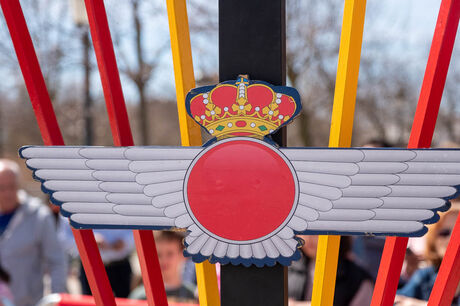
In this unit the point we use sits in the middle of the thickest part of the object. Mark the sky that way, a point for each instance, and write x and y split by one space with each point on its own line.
407 25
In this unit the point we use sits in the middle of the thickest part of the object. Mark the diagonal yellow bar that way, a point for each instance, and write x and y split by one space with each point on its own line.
183 69
343 110
190 131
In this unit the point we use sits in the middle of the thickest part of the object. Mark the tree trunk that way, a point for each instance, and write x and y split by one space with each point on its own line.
304 120
140 79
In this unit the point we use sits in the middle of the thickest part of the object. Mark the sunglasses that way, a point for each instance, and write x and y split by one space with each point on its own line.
444 232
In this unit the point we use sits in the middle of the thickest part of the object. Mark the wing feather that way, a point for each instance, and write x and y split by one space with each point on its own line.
175 210
245 251
314 202
321 191
439 156
114 176
362 179
158 165
102 153
347 214
72 185
57 152
209 247
357 203
326 167
53 163
168 199
381 167
432 168
429 179
121 187
356 191
258 250
412 202
80 196
307 213
403 214
160 177
129 198
270 248
221 249
425 191
88 208
108 164
157 189
74 175
138 210
339 181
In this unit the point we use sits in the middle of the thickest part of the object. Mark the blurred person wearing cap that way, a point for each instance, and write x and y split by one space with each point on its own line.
29 246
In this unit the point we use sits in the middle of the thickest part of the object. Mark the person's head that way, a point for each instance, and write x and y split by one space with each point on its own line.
9 185
439 234
169 248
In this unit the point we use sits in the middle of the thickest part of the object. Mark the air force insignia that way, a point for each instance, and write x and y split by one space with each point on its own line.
241 198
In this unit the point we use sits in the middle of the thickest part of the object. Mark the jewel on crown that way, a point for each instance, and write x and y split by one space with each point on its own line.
243 107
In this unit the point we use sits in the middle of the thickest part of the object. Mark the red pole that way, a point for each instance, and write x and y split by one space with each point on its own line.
449 273
121 133
421 136
51 135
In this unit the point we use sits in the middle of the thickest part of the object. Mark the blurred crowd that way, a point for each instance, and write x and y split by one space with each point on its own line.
38 256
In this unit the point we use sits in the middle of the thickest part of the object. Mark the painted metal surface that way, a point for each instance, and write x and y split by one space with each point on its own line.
241 199
346 86
121 134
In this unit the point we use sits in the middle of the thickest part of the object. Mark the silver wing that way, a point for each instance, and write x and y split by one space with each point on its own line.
100 187
372 191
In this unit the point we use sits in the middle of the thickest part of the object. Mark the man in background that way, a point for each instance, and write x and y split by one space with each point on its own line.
170 254
29 246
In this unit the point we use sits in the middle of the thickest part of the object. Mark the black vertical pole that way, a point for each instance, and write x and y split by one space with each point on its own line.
252 36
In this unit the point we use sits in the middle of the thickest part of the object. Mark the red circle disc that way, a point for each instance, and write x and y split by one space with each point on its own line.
240 190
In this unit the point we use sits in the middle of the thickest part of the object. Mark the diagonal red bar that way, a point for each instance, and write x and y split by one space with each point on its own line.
51 135
449 273
121 133
421 136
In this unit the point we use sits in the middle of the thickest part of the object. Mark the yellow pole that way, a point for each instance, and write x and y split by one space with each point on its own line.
190 131
340 136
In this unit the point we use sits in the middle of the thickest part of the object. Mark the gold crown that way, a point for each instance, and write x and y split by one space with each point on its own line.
242 108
